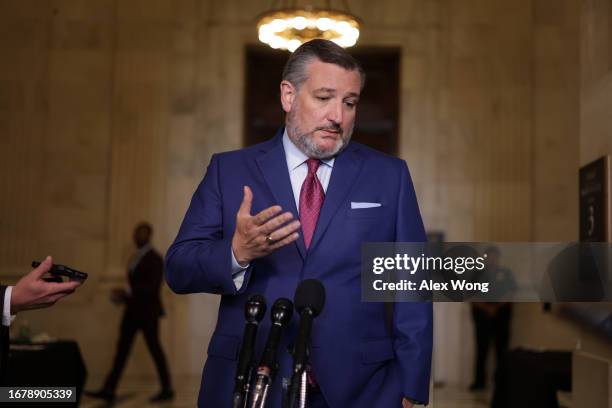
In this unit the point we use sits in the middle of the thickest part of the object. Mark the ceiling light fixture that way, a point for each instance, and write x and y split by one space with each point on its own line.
288 28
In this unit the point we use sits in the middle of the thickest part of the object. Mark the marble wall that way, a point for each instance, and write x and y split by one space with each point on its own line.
596 105
596 80
110 111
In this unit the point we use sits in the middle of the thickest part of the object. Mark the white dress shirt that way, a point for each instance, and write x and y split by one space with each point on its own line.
137 257
298 170
7 318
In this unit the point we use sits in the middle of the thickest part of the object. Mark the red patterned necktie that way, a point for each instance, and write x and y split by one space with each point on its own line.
311 200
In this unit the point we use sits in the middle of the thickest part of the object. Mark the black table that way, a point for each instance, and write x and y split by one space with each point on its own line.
531 379
55 364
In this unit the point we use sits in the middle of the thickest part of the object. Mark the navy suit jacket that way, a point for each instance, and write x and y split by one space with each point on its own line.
358 359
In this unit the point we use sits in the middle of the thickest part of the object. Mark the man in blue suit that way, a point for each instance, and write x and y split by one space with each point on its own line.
243 234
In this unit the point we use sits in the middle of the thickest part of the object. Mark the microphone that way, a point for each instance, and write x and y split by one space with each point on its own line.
254 311
309 302
281 314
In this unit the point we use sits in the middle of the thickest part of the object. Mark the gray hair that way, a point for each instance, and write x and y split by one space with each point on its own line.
323 50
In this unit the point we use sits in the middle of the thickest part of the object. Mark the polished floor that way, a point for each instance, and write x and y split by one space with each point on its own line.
458 397
135 393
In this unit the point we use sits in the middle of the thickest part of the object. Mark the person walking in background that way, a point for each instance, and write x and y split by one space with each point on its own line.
143 309
492 320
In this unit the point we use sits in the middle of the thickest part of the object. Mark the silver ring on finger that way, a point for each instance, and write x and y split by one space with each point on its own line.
269 239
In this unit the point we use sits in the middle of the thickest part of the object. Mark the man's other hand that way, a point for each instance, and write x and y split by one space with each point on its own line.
33 292
407 404
259 235
119 296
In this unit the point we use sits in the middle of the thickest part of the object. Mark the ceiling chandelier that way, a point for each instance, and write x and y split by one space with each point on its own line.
289 27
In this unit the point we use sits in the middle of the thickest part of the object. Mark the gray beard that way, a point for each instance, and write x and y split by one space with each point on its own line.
304 142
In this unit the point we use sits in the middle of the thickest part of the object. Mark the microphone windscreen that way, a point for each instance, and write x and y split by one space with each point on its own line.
310 293
255 308
282 310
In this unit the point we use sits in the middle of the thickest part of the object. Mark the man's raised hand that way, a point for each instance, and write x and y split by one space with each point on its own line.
260 234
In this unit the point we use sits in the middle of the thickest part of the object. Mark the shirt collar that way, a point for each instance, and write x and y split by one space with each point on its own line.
142 251
138 255
295 157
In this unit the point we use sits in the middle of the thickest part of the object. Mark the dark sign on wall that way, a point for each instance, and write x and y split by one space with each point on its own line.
595 202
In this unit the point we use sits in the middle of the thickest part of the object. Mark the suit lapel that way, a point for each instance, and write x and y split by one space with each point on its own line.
273 165
346 169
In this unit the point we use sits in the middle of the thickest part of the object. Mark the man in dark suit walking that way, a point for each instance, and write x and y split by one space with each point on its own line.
143 309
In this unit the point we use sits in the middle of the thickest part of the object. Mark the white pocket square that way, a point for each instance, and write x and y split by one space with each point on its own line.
355 205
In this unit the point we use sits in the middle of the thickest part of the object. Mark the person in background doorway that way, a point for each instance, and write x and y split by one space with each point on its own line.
492 320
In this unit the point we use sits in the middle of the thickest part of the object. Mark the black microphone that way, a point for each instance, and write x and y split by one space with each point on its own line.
281 314
309 302
254 311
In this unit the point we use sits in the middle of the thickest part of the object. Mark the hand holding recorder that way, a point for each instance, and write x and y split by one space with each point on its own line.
34 292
